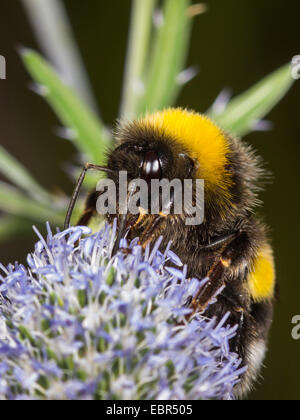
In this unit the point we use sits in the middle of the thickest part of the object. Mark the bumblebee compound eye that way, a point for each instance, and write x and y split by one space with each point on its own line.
151 167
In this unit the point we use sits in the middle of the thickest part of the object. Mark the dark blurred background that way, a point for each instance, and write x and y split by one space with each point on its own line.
235 44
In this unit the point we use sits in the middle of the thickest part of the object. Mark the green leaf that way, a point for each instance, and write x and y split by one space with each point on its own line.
140 34
245 110
53 30
17 174
90 135
15 203
168 58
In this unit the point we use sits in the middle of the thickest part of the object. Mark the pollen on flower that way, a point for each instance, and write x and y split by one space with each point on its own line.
78 324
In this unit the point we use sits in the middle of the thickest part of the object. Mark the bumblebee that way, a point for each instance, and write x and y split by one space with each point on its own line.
231 246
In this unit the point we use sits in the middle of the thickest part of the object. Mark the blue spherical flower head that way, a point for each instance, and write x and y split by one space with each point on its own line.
77 323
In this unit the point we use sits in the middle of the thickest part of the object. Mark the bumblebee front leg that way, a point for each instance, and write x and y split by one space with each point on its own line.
86 168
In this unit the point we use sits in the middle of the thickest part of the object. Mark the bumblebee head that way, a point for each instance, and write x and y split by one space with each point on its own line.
180 144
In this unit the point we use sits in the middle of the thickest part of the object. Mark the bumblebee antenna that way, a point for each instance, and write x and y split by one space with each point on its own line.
77 189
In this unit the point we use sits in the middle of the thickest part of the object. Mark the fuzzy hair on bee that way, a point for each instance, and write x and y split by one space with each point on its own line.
231 247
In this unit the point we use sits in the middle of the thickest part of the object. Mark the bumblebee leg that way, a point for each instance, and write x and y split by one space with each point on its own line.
251 343
90 209
150 231
217 274
77 189
238 310
241 324
219 242
215 282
